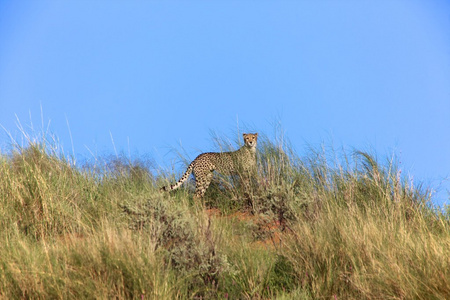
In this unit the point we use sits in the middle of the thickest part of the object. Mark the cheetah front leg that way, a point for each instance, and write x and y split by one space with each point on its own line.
246 183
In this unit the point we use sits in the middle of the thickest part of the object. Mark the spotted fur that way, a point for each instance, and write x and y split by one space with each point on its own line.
242 161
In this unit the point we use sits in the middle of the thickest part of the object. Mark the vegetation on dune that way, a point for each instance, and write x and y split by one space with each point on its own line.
312 227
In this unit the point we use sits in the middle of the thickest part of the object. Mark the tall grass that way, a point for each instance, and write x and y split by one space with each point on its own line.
310 227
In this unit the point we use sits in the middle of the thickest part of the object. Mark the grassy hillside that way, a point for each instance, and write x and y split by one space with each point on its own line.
310 228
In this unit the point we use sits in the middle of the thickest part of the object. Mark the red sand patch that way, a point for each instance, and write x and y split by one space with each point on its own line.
270 232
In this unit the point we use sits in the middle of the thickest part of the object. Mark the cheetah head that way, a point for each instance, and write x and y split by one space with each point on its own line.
250 139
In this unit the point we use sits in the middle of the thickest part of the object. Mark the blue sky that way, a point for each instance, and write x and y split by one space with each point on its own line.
156 76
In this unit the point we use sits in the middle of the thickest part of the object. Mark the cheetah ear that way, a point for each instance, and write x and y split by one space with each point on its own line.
256 134
244 135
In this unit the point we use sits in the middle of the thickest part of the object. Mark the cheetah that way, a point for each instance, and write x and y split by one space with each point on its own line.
241 161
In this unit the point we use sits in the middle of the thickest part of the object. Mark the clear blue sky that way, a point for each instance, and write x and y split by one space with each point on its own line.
154 74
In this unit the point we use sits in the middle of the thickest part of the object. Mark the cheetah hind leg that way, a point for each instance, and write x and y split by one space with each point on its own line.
202 183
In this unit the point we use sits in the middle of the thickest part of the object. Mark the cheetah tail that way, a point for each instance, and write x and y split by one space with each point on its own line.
179 182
